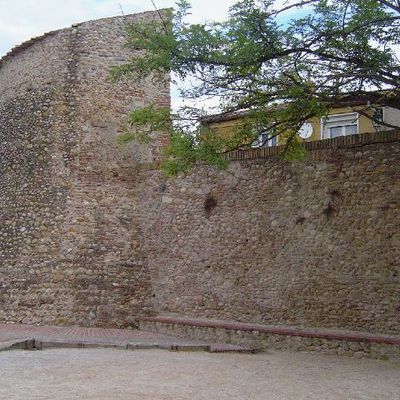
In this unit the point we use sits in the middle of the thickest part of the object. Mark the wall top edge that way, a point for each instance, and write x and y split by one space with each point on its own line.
23 46
341 142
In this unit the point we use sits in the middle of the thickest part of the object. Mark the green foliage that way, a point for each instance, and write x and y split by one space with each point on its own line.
151 117
184 151
130 136
143 122
294 151
277 65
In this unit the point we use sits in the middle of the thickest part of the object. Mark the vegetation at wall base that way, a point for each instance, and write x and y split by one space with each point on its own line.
278 66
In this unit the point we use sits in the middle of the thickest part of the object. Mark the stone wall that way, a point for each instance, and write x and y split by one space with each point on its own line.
70 244
89 236
312 244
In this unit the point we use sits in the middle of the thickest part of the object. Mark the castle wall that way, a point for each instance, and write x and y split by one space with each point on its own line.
90 235
70 250
313 244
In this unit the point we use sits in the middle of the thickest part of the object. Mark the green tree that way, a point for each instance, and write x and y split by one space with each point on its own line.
306 56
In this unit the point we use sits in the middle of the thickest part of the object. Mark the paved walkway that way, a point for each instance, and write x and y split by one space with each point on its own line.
31 336
109 374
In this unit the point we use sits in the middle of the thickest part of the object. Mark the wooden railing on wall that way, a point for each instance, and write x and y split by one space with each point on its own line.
335 143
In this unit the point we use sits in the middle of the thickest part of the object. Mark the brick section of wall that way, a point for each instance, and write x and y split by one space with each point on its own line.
331 144
312 244
70 241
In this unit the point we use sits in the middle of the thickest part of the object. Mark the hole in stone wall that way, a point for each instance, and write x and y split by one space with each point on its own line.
335 193
209 204
300 221
329 211
162 188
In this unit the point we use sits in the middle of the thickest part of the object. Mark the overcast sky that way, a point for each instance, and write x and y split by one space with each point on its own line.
21 20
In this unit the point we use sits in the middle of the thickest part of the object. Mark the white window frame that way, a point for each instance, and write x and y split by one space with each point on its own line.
343 116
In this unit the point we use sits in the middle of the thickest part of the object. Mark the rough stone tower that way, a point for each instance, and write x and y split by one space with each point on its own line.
69 239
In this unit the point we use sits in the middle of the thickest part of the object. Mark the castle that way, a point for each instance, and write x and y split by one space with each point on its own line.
94 235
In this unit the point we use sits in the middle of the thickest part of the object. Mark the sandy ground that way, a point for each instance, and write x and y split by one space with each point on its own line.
155 374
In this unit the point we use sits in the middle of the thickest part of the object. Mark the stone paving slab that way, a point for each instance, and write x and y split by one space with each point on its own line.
14 336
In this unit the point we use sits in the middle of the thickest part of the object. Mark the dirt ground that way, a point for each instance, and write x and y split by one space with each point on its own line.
106 374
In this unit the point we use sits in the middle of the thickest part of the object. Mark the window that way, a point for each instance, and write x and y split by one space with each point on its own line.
263 141
339 125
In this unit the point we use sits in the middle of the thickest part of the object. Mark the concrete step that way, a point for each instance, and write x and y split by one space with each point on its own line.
34 344
256 337
32 337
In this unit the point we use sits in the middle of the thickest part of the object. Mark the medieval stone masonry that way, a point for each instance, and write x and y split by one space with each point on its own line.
313 244
92 234
70 247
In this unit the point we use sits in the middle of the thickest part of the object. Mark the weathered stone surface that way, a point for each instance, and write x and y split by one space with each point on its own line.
70 242
310 244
